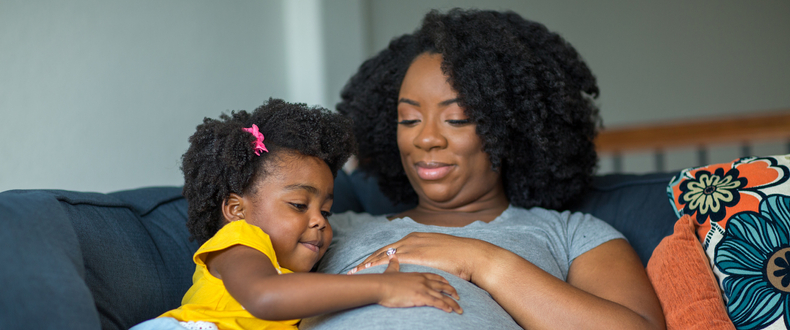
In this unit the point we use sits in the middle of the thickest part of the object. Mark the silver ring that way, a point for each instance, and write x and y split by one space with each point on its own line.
391 251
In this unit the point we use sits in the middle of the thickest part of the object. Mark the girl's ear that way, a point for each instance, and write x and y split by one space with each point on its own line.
233 208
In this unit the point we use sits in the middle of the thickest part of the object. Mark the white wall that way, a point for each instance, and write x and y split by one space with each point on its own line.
102 95
346 38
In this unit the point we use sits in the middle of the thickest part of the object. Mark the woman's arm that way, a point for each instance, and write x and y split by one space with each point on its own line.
606 288
252 280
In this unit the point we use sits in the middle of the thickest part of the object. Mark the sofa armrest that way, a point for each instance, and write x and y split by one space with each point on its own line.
43 268
78 260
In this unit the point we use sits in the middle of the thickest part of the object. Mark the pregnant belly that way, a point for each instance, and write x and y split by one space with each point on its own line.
480 311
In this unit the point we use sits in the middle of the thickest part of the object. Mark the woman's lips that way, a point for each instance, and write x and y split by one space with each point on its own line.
432 171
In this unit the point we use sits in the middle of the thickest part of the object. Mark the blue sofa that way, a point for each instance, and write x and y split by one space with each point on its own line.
78 260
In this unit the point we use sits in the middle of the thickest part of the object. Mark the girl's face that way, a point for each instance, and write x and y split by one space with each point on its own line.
291 204
441 153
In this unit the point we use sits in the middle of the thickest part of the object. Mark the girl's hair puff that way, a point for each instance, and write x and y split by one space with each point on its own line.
528 91
221 159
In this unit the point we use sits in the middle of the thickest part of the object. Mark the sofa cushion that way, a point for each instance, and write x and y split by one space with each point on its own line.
345 197
128 250
139 240
714 193
753 264
684 283
359 192
742 210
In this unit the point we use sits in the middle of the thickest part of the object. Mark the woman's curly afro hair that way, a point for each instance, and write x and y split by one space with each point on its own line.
221 159
528 91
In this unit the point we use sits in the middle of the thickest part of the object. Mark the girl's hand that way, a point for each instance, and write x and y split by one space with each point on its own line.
462 257
416 289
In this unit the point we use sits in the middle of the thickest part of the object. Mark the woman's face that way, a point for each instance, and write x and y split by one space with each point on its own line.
440 150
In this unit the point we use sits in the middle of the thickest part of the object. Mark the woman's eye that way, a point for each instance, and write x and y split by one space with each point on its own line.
300 207
326 214
459 122
407 122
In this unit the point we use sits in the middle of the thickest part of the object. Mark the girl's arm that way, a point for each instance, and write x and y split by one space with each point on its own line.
606 288
252 280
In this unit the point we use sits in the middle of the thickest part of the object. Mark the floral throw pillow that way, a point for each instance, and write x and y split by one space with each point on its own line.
743 212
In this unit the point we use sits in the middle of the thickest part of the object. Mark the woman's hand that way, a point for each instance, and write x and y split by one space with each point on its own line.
459 256
416 289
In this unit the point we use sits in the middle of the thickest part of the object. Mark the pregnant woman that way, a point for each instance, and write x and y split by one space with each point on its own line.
486 121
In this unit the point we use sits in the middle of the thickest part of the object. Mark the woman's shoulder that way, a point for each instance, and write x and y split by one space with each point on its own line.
545 216
579 231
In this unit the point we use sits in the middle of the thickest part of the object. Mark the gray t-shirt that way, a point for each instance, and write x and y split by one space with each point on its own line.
550 240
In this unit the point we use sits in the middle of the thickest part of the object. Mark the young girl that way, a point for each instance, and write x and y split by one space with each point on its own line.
259 187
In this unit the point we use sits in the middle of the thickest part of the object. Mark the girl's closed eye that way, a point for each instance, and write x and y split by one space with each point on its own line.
299 206
326 214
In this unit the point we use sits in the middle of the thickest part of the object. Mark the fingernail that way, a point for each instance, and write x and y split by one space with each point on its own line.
367 265
352 271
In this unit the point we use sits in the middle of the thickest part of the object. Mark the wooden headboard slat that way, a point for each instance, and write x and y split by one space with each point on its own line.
774 125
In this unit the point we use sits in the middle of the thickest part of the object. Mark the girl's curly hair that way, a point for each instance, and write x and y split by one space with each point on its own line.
526 88
221 159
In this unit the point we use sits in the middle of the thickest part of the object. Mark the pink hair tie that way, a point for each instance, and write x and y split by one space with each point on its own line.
258 143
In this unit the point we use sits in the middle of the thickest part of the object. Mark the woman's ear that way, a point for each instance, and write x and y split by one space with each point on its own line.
233 208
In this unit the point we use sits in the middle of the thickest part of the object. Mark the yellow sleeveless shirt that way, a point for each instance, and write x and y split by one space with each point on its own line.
208 300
